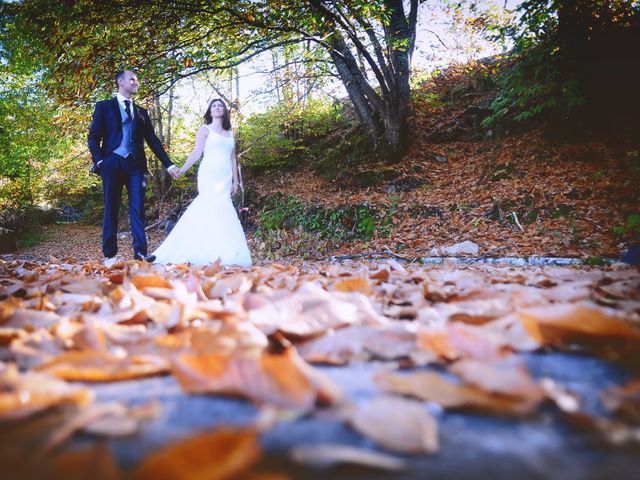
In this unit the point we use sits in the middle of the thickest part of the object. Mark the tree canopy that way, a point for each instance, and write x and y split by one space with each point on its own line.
368 45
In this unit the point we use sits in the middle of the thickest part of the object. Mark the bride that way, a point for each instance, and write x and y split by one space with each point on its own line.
209 229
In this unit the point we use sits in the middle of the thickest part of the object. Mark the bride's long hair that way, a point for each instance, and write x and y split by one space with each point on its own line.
226 117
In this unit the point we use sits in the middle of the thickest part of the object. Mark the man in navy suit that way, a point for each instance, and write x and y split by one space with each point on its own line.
116 139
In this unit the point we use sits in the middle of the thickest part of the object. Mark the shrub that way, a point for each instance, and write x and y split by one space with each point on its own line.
284 136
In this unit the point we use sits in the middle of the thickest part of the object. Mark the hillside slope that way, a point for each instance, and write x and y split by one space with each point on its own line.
513 194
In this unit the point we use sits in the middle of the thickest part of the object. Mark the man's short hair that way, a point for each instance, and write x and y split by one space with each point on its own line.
119 75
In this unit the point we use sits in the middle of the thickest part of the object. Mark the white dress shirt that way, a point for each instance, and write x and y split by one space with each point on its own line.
121 100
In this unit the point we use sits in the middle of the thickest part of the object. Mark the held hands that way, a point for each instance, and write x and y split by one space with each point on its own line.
174 171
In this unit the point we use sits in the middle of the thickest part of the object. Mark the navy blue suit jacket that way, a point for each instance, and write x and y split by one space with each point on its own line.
105 134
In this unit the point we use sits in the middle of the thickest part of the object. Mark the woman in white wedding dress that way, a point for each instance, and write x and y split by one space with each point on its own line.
210 229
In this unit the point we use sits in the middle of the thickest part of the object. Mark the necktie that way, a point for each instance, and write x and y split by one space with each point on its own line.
127 105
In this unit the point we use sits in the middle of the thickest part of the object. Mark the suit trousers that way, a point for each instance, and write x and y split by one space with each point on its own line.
118 172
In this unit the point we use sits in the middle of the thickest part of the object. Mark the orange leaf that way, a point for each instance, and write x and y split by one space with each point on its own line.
142 281
98 366
356 284
217 455
279 379
499 377
586 325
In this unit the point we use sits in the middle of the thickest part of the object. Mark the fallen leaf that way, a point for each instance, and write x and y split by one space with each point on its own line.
624 400
434 387
95 462
586 325
221 454
143 281
356 284
326 455
81 420
561 396
22 395
507 377
100 366
398 424
278 379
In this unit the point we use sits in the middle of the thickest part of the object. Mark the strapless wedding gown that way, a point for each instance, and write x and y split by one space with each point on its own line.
209 228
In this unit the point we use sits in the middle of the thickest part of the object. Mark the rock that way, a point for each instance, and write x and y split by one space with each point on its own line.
404 185
464 248
437 157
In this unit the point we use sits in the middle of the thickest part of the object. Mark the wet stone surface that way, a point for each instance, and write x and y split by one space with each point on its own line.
472 445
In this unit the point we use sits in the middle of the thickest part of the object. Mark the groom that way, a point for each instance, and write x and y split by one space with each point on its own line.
116 142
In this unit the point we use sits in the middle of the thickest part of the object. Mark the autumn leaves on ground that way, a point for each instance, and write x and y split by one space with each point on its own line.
442 340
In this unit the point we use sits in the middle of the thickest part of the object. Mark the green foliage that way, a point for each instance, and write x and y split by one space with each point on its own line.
533 85
287 136
80 44
546 74
355 222
630 227
30 238
39 161
595 261
425 99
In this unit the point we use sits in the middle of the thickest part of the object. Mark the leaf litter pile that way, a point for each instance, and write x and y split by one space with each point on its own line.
442 339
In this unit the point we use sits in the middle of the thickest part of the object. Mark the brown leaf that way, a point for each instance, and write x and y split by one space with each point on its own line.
308 312
586 325
143 281
437 341
94 462
359 343
81 420
474 342
624 400
277 379
221 454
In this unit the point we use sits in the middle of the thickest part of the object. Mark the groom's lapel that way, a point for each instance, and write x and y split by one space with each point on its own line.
116 110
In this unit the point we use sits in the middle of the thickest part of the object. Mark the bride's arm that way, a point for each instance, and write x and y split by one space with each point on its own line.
234 168
196 153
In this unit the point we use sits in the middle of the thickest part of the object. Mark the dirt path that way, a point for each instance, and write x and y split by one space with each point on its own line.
81 243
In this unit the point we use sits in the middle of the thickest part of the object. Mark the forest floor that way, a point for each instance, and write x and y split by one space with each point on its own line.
519 196
321 370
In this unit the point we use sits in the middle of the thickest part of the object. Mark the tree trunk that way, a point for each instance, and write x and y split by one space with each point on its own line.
382 111
162 180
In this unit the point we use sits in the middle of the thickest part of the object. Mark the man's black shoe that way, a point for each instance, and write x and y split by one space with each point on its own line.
144 258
